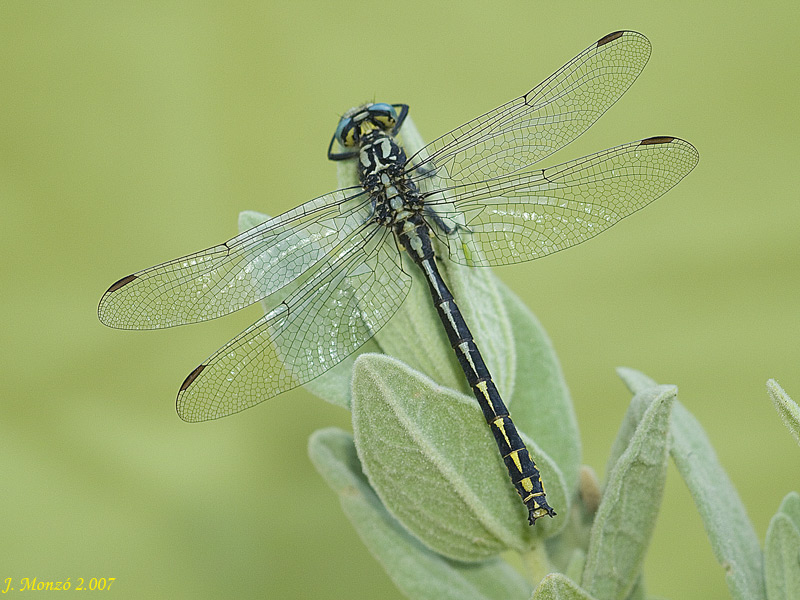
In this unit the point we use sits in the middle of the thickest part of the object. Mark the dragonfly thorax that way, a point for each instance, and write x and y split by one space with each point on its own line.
379 152
381 170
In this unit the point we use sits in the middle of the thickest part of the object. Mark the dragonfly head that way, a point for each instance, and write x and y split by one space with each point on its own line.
358 122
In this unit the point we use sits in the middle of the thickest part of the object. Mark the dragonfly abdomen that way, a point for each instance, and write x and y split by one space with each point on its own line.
415 237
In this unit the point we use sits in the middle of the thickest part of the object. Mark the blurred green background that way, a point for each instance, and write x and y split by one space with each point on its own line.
133 133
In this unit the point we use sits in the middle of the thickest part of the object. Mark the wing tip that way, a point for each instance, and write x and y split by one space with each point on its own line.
658 139
121 283
615 35
180 405
188 416
103 312
610 38
191 377
668 139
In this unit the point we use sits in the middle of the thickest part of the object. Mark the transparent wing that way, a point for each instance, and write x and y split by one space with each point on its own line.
547 118
329 317
243 270
525 216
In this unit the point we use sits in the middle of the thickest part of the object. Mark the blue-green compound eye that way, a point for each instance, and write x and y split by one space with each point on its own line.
346 132
383 114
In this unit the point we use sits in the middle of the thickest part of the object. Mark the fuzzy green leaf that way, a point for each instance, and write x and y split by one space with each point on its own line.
731 534
733 539
786 407
638 592
418 572
627 514
433 461
790 506
559 587
645 391
576 564
566 551
782 559
782 551
634 380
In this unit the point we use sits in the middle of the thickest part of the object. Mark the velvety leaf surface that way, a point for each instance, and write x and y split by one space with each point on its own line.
433 461
786 407
732 536
559 587
782 558
626 517
418 572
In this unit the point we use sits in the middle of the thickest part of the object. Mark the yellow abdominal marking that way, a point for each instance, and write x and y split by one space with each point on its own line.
498 422
515 457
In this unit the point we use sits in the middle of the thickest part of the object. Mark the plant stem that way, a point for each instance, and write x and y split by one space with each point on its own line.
536 564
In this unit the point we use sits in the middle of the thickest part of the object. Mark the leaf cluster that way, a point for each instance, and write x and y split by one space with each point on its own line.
423 485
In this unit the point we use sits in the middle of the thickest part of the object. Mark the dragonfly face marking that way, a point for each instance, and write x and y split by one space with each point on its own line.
329 270
358 122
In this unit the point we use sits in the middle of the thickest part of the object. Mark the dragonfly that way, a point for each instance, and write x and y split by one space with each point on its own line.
330 271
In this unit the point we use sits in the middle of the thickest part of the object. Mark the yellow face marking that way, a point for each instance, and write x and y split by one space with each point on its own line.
350 138
386 121
366 126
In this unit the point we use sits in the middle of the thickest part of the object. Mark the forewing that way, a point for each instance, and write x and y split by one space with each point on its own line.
526 216
547 118
327 319
243 270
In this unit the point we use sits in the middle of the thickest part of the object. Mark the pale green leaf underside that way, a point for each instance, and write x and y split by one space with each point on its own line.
626 517
634 380
790 506
645 392
559 587
733 539
786 407
782 557
417 571
432 460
